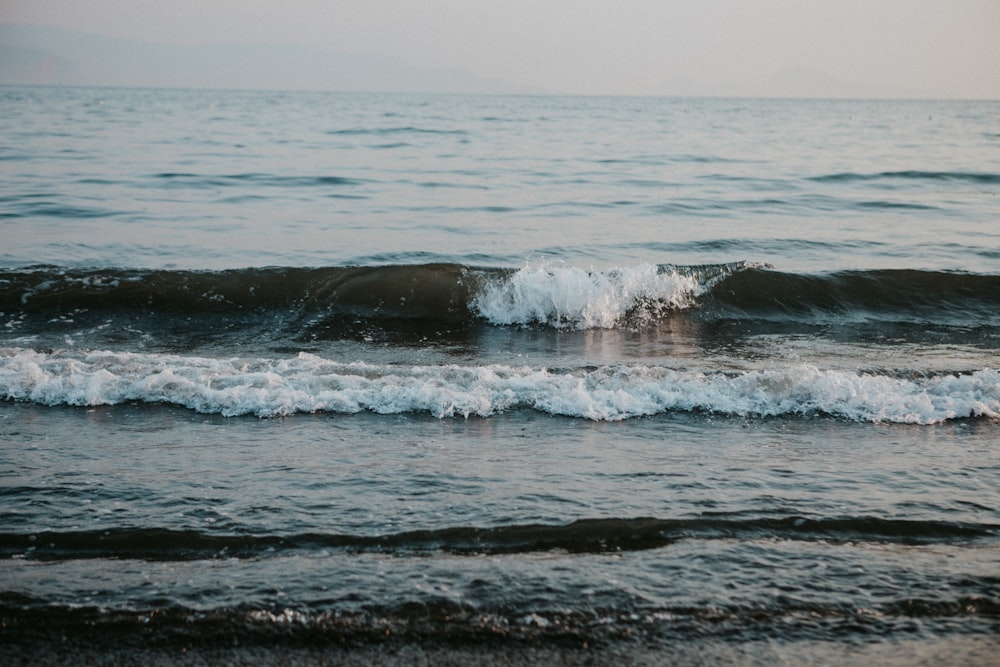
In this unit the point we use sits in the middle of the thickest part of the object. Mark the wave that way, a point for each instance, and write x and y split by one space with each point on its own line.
31 207
912 175
431 290
42 632
405 129
199 612
182 179
896 295
309 384
580 299
580 536
556 296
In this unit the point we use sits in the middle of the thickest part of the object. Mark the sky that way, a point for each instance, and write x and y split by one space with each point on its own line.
869 48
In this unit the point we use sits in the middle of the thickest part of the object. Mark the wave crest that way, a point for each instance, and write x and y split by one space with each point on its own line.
548 295
308 384
574 298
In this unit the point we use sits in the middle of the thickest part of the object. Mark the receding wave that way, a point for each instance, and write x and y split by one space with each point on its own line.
308 383
581 536
476 633
557 296
507 612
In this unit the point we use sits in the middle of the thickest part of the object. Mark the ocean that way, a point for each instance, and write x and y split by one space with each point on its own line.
318 378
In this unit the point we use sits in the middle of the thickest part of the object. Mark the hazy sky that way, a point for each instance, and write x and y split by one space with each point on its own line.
939 48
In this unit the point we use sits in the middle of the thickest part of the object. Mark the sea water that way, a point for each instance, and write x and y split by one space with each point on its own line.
488 371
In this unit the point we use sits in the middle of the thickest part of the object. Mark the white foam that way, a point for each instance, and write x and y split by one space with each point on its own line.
570 297
309 383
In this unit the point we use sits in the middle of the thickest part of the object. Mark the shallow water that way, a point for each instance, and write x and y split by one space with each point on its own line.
673 526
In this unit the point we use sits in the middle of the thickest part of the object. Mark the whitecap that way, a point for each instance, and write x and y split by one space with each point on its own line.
308 383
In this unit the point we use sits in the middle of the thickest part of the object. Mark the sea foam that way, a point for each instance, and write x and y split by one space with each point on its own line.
309 383
574 298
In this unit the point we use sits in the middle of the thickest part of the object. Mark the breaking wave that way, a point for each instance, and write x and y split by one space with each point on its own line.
557 296
308 384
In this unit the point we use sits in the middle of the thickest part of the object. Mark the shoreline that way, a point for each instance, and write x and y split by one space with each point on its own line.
969 651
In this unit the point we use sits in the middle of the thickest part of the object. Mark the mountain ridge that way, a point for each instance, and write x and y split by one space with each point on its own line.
42 55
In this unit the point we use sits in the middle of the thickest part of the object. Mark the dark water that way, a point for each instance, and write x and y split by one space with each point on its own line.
553 371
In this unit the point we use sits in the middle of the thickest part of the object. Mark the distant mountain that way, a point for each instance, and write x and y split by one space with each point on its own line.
43 55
